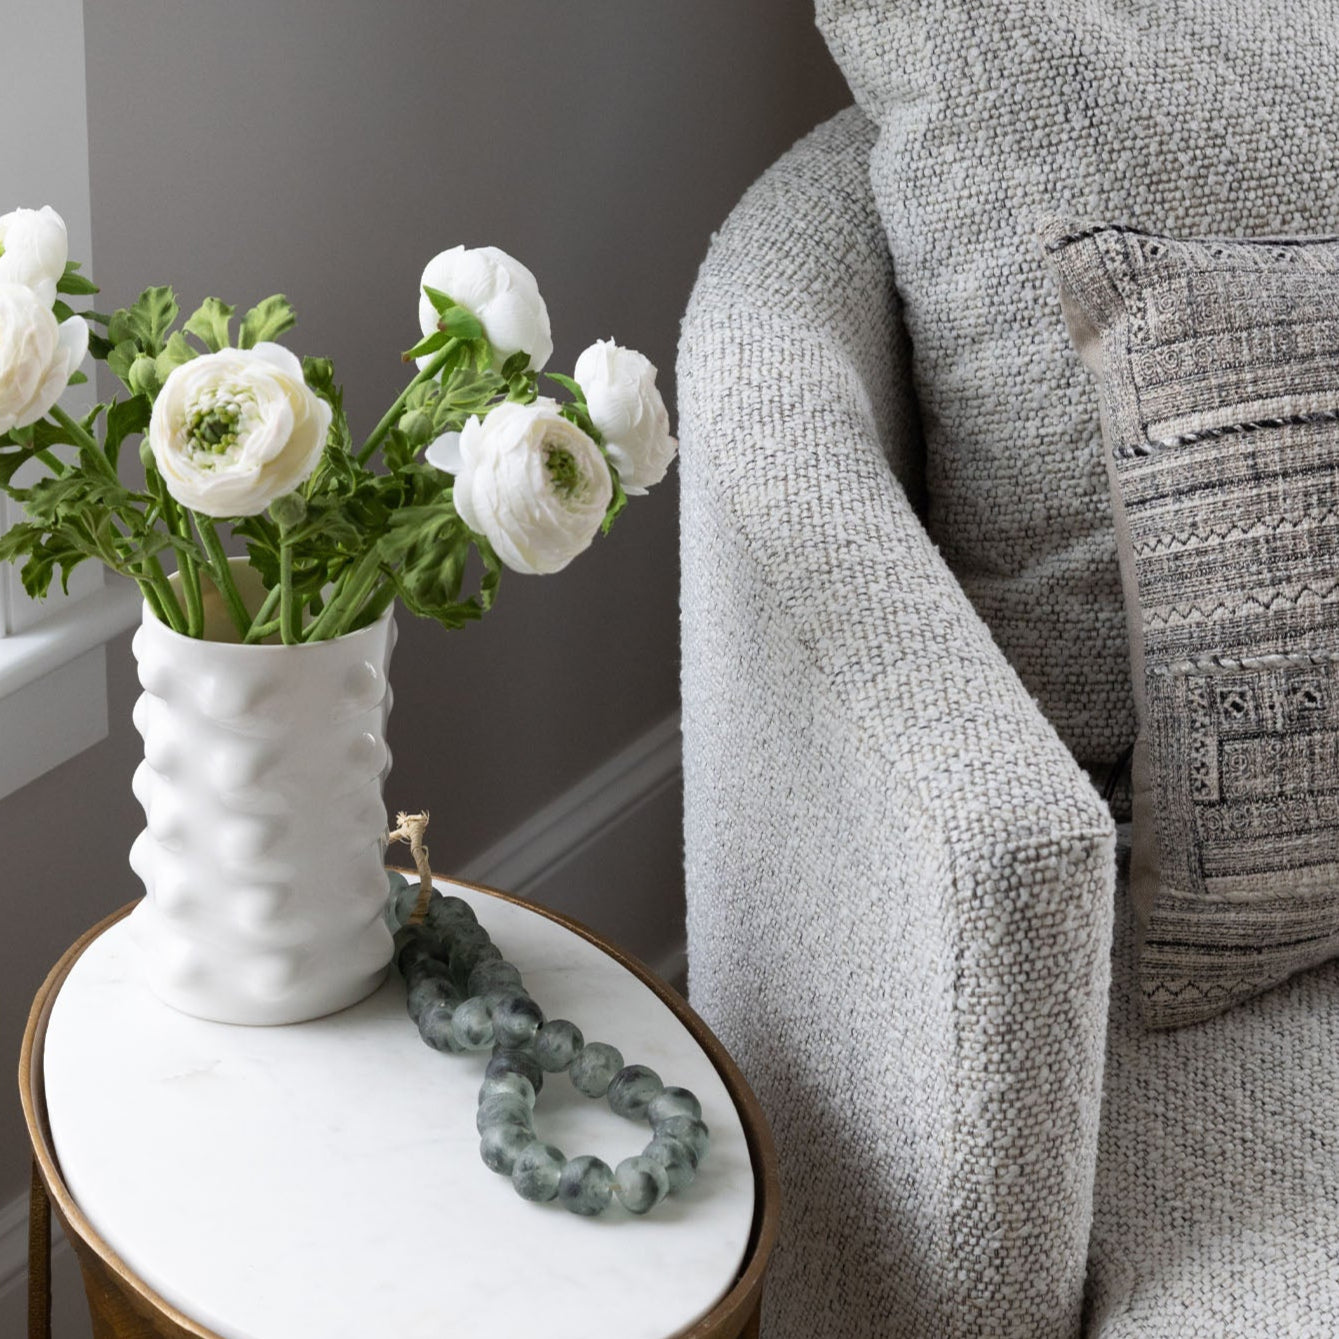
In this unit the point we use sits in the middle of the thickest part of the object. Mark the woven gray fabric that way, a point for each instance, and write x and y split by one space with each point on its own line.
1217 1199
1200 118
899 880
1218 368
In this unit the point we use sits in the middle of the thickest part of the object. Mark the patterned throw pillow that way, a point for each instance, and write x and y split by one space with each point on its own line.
1218 371
1198 117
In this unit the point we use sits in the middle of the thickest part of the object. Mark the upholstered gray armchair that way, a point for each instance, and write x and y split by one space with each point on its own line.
901 883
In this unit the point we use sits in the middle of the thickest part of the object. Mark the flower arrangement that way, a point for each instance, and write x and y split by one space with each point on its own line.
469 459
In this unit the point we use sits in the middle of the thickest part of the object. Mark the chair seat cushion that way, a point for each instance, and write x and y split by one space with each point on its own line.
1216 1203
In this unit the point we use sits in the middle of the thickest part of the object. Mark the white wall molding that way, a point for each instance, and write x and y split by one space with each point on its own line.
519 862
53 683
530 853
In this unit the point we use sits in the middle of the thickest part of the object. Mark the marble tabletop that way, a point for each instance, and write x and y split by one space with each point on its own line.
323 1181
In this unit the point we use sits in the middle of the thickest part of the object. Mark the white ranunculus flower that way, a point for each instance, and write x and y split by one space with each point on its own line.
36 247
37 356
620 389
444 452
534 484
231 431
500 291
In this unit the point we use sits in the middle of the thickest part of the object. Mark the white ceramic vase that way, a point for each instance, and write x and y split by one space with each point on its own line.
263 853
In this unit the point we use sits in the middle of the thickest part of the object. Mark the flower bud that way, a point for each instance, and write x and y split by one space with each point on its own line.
143 376
417 426
289 511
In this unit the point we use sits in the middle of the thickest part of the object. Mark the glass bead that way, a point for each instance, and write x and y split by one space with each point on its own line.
428 990
514 1061
515 1085
500 1146
434 1026
557 1044
687 1131
506 1109
673 1102
412 944
586 1186
457 906
472 1026
594 1068
444 916
516 1019
537 1172
640 1183
493 974
631 1090
465 955
676 1158
424 968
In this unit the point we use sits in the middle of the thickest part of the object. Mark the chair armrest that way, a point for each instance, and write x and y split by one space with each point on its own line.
900 882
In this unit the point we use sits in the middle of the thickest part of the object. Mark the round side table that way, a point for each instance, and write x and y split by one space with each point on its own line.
322 1181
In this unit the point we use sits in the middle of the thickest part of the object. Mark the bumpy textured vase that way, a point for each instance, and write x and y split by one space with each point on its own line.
261 784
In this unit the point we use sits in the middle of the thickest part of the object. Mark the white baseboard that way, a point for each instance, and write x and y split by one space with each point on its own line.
520 862
537 848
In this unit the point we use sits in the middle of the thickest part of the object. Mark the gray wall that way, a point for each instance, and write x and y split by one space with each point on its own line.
327 148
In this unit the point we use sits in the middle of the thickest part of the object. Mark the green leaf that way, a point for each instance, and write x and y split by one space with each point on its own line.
430 343
99 347
121 358
266 321
209 323
147 322
516 365
441 303
617 502
124 419
460 324
397 450
74 283
319 374
568 384
580 415
77 379
62 311
176 353
13 460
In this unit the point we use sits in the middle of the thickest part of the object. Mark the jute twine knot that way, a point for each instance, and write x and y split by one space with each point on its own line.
410 828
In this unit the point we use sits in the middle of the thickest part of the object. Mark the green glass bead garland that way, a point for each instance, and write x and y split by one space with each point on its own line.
465 997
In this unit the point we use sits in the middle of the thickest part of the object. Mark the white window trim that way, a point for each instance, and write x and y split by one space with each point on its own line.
77 627
53 681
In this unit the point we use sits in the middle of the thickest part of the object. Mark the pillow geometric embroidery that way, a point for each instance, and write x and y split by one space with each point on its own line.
1218 369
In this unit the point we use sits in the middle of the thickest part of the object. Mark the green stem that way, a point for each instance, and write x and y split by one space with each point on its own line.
186 564
393 413
53 463
259 631
170 607
262 625
288 620
348 599
376 604
146 589
85 441
222 573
